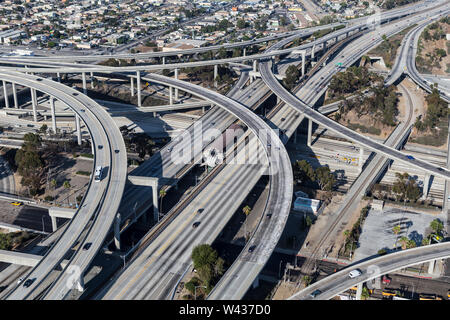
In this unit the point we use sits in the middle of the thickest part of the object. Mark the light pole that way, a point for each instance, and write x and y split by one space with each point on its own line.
195 291
42 218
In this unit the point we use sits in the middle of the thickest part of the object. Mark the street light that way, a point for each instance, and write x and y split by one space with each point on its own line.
195 291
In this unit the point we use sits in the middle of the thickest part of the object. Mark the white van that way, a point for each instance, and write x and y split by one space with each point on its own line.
355 273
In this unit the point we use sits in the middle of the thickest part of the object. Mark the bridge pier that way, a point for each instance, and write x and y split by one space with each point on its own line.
92 80
176 89
309 132
132 86
80 284
58 75
77 124
52 110
34 104
16 104
244 53
117 231
359 291
170 96
361 155
255 283
427 185
54 223
138 87
152 182
431 267
5 94
255 65
83 76
313 51
216 72
164 60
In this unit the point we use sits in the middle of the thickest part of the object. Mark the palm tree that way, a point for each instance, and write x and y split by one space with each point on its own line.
396 230
66 184
246 210
162 194
346 233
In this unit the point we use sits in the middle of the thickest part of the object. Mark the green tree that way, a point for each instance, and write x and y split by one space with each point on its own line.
325 178
303 171
246 210
240 24
66 184
396 229
437 226
291 77
207 263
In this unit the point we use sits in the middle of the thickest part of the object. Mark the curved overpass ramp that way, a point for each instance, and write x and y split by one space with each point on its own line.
371 269
102 199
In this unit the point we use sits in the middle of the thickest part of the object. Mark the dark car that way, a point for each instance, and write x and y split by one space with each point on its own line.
410 157
100 147
116 151
269 215
87 246
29 282
195 224
252 248
315 293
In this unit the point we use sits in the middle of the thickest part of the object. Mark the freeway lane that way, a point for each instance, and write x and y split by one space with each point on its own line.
279 197
92 206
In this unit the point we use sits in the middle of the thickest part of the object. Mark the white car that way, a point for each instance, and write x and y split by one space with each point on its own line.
355 273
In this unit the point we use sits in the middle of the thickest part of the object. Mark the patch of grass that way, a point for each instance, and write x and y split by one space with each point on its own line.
87 155
364 129
84 173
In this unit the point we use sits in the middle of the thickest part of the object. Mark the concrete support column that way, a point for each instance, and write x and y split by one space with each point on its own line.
34 104
5 94
295 136
138 87
255 283
92 80
176 89
155 202
309 132
216 72
83 76
170 96
52 110
58 75
245 51
117 232
359 291
313 51
164 60
132 86
77 123
255 65
16 103
431 267
54 224
427 185
360 161
303 62
80 283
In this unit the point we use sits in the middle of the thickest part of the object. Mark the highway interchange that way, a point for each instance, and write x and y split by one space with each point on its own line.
163 252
